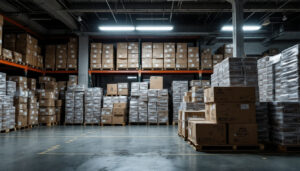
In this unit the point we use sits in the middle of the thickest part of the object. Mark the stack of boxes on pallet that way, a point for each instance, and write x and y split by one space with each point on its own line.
169 57
61 57
193 58
96 56
7 109
181 56
150 52
217 58
178 90
158 102
138 102
20 100
50 57
92 101
33 105
229 117
206 59
133 55
226 50
72 53
114 109
122 57
108 56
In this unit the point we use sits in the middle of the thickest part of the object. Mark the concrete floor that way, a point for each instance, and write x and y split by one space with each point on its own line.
122 148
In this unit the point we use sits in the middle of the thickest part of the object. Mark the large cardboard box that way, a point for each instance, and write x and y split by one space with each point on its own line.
119 120
229 95
230 112
21 120
182 48
158 50
123 91
156 82
47 119
242 134
106 119
146 63
47 102
120 105
193 63
122 50
158 63
206 133
119 111
112 89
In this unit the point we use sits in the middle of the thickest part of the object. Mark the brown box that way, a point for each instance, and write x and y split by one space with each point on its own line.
242 134
112 89
158 50
156 82
21 120
133 47
58 103
169 65
206 133
46 95
95 66
106 119
47 103
7 54
206 64
119 120
20 100
229 95
218 57
182 48
230 112
123 91
157 63
119 111
47 111
120 105
181 63
181 55
96 45
146 63
121 63
31 83
193 63
47 119
17 57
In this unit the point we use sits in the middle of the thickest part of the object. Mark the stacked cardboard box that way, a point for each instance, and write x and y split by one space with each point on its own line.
109 114
138 102
193 58
7 92
39 62
262 119
181 56
18 57
72 53
1 32
61 57
226 50
69 106
133 55
119 113
79 106
163 106
206 59
7 54
112 89
28 47
184 117
108 56
20 100
32 105
122 56
95 56
9 41
226 125
50 57
92 101
169 56
217 58
58 110
149 52
123 89
178 90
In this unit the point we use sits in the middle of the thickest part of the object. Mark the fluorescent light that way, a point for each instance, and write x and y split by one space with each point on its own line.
152 19
154 28
245 28
116 28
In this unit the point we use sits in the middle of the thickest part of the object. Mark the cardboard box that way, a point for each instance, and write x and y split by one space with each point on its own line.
242 134
206 133
120 105
156 82
47 119
230 112
158 50
206 64
58 103
112 89
146 63
119 120
96 45
95 66
123 91
182 48
229 95
47 102
7 54
21 121
47 95
181 55
157 63
106 119
193 63
17 57
119 111
46 111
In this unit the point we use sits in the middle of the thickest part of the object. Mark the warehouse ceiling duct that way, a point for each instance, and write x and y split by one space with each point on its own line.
55 9
23 18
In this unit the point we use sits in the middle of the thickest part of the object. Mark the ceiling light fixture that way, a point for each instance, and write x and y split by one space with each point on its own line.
266 22
154 28
245 28
117 28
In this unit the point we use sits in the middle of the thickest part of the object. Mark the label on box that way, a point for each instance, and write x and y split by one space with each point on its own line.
244 106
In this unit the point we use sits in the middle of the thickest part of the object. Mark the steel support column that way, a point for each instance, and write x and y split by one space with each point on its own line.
83 61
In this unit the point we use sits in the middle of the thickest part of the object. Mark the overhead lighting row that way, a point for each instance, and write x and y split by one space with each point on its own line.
138 28
245 28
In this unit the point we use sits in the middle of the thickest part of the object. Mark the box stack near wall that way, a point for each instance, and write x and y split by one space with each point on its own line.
206 59
169 57
226 50
217 58
28 47
47 96
158 103
32 105
92 100
108 56
122 57
262 119
61 57
193 58
95 56
123 89
7 108
138 103
178 90
70 99
133 55
50 57
181 56
72 53
20 100
114 110
150 52
120 111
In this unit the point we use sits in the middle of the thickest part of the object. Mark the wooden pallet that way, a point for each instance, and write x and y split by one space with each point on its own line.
163 123
181 68
112 95
33 126
48 124
134 69
288 148
9 59
169 69
8 130
193 68
127 69
175 123
20 62
91 124
206 68
227 148
21 127
107 69
72 124
158 124
105 124
137 123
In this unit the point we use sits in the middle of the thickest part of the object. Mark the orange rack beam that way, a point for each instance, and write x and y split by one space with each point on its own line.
61 72
26 68
150 71
113 72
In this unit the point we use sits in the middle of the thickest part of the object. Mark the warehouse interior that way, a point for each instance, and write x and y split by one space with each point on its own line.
149 84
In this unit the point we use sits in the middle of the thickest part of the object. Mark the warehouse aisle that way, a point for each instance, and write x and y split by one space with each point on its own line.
121 148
